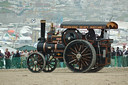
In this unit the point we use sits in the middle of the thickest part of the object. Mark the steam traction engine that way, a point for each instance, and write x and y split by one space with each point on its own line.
80 52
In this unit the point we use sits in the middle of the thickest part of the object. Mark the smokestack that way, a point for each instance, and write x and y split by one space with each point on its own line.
43 30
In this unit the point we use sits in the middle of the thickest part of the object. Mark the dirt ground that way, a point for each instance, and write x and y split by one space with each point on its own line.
107 76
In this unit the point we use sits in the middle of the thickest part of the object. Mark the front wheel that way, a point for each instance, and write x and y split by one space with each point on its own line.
36 62
51 63
79 56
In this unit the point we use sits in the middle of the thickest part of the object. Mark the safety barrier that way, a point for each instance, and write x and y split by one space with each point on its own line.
21 62
1 63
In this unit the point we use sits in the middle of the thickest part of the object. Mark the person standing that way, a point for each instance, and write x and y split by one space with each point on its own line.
30 52
7 59
113 58
18 60
26 54
126 53
1 60
91 34
124 59
24 59
22 53
119 54
13 60
103 34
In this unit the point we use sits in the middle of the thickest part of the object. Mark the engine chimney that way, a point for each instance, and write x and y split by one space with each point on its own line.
42 30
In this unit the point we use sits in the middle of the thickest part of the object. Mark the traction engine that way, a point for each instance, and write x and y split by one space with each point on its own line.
80 52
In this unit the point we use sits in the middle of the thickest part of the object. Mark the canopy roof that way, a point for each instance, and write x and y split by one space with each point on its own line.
26 47
89 25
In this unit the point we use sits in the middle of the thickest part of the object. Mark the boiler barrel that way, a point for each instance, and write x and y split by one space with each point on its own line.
48 48
52 47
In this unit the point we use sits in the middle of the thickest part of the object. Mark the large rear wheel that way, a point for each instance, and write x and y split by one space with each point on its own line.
79 56
96 68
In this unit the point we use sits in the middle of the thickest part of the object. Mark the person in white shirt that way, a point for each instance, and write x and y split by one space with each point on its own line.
26 54
126 53
24 58
124 58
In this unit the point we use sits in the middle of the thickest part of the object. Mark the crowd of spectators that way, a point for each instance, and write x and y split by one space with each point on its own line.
16 59
119 57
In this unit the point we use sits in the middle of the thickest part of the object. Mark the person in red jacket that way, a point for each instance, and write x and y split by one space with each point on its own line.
7 59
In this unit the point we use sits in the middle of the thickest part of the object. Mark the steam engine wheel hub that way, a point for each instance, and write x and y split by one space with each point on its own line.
35 62
78 56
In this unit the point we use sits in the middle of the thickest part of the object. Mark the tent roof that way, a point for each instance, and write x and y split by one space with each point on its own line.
26 47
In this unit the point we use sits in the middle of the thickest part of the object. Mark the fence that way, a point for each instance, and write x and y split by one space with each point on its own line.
21 62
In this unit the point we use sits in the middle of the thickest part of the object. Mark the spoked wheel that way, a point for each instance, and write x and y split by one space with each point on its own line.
70 34
51 63
96 68
79 56
36 62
